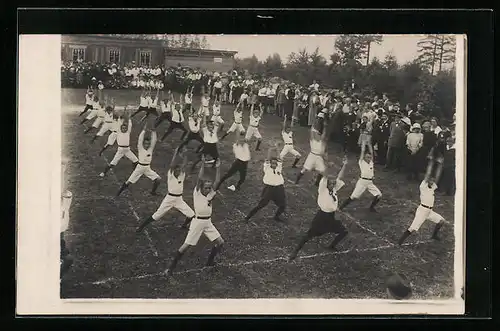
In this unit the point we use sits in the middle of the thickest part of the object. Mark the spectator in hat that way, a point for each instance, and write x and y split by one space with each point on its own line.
414 141
396 143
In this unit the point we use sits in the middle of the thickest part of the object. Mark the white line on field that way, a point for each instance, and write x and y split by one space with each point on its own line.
239 264
132 209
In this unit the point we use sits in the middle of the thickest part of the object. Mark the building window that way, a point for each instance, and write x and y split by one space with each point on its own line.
114 55
145 58
78 54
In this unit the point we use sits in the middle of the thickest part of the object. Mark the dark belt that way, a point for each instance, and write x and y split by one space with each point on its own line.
175 195
290 144
366 178
237 122
109 122
255 126
123 146
144 164
426 206
203 217
317 154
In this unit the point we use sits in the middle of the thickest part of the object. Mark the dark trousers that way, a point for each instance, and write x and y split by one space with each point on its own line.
381 151
164 116
64 248
192 136
412 162
270 193
172 127
237 166
394 157
447 181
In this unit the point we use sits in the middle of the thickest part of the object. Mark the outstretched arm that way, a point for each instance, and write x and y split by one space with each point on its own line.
140 140
342 170
326 125
217 174
284 123
200 174
174 157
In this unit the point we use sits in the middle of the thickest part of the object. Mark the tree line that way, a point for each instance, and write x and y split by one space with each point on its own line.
429 78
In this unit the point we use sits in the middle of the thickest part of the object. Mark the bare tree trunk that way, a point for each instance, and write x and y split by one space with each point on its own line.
368 53
441 51
434 55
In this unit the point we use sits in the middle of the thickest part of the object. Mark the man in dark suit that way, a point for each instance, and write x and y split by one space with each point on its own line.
381 132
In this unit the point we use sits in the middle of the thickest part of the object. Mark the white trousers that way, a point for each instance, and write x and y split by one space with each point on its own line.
121 152
170 202
199 227
424 214
363 185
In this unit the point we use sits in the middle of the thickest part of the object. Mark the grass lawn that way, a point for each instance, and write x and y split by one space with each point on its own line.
111 261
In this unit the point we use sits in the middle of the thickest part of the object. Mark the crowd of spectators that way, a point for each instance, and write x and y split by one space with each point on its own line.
401 137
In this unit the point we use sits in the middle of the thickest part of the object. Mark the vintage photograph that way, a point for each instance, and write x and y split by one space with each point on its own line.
259 167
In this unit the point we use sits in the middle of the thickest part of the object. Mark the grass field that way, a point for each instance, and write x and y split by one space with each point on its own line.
112 261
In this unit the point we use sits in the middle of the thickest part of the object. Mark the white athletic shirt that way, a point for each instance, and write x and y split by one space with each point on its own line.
175 184
149 100
165 108
242 152
254 121
270 92
145 155
427 194
115 126
215 110
202 204
67 198
144 102
187 99
177 115
366 169
153 103
317 147
89 100
272 176
238 117
123 138
218 84
108 117
194 125
243 96
205 101
328 201
287 137
210 137
262 92
101 111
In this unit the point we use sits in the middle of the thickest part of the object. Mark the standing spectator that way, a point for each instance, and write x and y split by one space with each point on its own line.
395 144
381 136
280 101
290 97
429 140
435 126
313 107
414 141
447 182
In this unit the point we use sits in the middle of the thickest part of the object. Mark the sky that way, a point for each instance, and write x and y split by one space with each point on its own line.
403 47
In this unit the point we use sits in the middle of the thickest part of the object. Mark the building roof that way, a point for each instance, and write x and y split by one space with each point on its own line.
88 38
